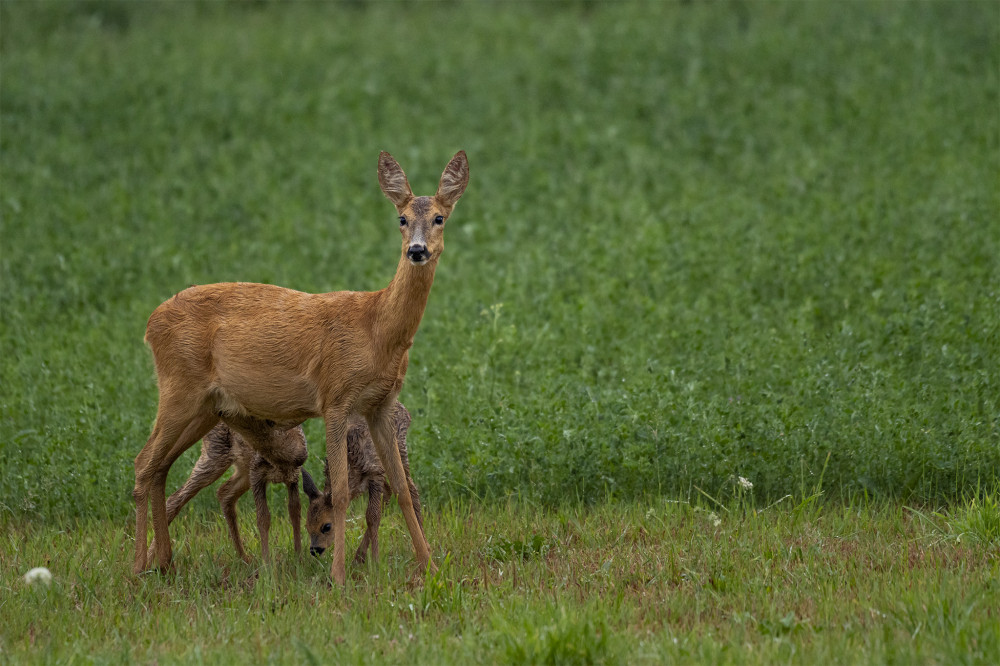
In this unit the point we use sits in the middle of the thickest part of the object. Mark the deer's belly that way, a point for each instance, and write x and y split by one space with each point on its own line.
287 402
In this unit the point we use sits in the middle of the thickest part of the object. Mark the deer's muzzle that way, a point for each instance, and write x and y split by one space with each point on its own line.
417 253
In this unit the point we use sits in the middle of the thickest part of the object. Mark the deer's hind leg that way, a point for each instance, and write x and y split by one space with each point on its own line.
207 470
178 425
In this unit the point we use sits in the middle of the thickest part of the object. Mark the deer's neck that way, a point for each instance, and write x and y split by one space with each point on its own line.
402 304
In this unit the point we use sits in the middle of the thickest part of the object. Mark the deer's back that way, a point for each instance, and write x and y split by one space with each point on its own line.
264 350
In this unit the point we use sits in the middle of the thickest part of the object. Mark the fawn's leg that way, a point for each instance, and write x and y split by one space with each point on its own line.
295 515
382 427
228 493
336 458
258 484
373 516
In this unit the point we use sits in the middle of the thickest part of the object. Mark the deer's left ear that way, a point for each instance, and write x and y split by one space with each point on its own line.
453 180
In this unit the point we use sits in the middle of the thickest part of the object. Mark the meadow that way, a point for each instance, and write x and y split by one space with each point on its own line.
701 241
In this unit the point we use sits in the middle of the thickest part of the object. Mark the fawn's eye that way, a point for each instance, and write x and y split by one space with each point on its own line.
439 219
402 220
326 528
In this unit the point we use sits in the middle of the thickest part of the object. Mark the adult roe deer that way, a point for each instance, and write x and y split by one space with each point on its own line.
251 353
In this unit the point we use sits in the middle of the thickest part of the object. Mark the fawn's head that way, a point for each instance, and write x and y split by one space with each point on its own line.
319 515
421 219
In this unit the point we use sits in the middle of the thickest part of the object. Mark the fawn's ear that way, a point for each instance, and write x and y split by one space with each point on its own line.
454 179
392 180
326 477
309 486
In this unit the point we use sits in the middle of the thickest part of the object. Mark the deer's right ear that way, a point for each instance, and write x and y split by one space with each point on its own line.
393 181
309 486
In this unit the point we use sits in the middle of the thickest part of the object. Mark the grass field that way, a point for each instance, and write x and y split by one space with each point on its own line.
655 583
702 240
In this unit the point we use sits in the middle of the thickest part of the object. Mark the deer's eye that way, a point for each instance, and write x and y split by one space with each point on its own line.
326 528
402 220
439 219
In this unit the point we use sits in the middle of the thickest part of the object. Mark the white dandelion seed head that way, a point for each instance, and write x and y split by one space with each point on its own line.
38 575
745 483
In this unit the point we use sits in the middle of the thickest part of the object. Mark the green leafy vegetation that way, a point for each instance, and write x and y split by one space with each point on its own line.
654 582
699 241
702 242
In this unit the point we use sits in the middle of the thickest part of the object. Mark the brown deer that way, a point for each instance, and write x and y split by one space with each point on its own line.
256 353
223 448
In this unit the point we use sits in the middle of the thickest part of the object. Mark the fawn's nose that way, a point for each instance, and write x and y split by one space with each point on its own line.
316 551
417 253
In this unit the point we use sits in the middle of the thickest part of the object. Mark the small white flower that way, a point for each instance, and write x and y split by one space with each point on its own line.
38 575
716 521
745 483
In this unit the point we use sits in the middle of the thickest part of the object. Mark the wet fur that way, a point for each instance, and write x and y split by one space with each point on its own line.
365 475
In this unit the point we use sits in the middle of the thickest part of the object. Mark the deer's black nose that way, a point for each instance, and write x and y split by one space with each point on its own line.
316 551
418 253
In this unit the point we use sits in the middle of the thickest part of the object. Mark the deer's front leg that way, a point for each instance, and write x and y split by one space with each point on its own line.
336 459
383 430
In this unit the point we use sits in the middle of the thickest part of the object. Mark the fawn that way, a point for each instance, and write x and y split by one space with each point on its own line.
257 353
364 474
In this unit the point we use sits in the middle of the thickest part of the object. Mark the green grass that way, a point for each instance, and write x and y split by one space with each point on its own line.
701 241
654 582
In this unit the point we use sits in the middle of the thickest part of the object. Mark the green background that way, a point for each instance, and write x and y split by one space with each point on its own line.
700 240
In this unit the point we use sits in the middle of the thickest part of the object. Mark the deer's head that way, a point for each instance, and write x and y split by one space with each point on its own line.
421 219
